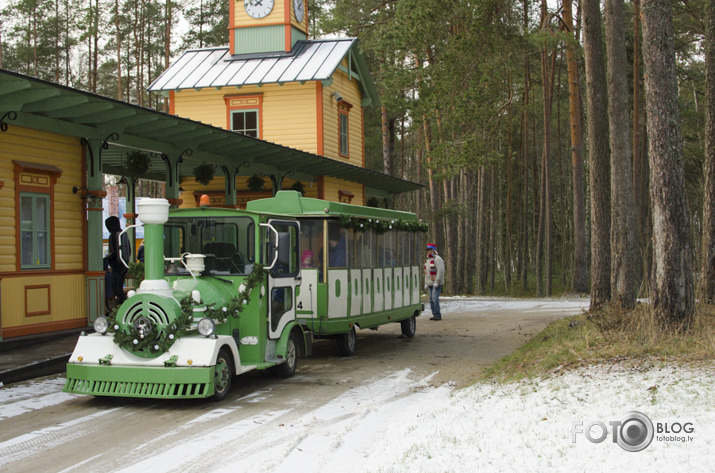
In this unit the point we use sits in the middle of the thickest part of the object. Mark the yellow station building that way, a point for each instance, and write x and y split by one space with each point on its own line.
273 105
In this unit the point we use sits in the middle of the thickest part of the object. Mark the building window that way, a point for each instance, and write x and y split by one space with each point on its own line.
245 122
34 230
244 114
343 134
34 219
344 128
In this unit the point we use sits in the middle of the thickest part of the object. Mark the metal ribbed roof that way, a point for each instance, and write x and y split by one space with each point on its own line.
215 67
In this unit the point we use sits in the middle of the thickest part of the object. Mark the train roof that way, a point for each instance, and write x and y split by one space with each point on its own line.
294 204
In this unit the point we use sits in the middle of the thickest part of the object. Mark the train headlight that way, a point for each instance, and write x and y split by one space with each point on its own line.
206 327
101 324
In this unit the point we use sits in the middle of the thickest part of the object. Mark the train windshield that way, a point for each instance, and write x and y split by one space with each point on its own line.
228 244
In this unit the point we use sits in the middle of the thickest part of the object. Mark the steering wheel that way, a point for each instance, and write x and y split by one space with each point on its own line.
237 262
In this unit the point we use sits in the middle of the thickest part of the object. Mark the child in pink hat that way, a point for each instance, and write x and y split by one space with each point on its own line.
306 260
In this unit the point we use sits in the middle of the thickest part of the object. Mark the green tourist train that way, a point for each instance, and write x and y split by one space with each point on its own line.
227 291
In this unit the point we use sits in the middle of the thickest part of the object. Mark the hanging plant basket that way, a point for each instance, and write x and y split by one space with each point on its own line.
298 186
255 183
138 164
204 173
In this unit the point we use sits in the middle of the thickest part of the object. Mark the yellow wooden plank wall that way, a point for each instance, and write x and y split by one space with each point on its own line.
64 152
190 186
289 111
66 299
350 90
241 18
332 187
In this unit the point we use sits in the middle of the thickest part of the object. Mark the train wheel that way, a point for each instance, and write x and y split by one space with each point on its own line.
223 374
287 369
409 327
347 342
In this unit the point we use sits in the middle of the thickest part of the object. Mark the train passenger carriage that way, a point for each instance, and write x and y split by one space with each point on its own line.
228 291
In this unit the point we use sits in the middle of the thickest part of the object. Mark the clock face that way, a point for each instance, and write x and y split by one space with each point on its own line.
299 10
258 8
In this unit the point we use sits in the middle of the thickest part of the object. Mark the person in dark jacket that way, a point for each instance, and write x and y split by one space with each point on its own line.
116 247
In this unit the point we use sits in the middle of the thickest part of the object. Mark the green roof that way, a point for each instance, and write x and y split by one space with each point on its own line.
123 127
292 203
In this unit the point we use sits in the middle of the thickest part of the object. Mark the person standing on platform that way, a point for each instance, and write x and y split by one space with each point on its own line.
434 279
118 265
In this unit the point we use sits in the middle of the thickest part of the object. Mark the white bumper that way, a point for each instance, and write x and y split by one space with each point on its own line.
191 351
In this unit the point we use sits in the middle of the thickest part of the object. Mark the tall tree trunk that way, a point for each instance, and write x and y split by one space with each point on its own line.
433 188
493 222
507 236
636 104
708 257
57 40
579 282
543 248
167 44
95 49
672 279
599 164
623 256
117 25
386 163
461 268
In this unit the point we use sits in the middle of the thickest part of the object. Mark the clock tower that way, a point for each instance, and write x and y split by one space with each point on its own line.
266 26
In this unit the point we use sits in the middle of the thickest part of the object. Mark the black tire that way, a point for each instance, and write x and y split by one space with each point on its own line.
409 327
287 369
223 375
347 343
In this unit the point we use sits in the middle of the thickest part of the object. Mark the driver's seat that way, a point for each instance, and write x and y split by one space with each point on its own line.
220 252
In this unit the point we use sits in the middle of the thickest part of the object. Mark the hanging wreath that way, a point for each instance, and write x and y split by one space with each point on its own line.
298 186
204 173
160 342
138 164
255 183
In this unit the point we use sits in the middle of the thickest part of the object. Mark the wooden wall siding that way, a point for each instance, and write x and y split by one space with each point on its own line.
276 16
64 152
332 187
38 300
289 116
350 90
217 185
57 298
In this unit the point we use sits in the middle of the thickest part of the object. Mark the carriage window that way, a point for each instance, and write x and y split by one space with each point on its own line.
337 245
368 249
388 242
311 244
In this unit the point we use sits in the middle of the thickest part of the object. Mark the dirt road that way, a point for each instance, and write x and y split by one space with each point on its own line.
264 419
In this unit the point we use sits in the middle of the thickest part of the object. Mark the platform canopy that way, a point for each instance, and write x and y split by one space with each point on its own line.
123 128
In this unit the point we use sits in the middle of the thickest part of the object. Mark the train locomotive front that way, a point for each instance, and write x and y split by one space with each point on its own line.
178 335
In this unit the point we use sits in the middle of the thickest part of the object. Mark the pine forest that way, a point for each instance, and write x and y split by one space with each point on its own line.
564 147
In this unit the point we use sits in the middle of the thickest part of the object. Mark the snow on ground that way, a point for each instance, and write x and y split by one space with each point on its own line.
459 304
401 423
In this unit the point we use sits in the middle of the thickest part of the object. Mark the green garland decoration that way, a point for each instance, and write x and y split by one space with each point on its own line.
255 183
161 342
382 226
138 164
